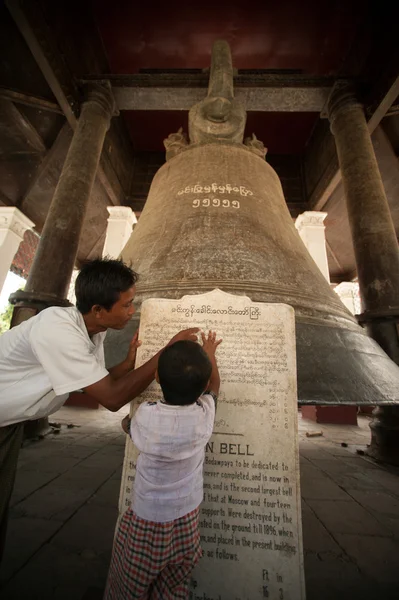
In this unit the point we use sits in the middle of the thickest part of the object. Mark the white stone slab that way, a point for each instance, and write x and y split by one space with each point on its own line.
250 518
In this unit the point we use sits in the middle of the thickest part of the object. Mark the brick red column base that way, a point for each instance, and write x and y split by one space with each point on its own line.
336 415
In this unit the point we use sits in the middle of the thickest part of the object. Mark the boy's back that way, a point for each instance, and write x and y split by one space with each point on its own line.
171 440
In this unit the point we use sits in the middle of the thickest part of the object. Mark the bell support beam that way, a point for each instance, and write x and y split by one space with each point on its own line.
263 93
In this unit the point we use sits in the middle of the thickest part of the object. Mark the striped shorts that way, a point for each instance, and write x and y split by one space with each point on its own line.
153 561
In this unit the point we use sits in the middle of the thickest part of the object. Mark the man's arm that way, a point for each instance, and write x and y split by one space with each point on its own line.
113 394
126 365
210 345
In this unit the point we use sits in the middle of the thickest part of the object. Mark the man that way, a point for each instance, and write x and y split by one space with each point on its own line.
61 350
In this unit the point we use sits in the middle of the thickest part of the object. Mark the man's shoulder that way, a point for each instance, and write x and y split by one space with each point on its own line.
56 324
60 314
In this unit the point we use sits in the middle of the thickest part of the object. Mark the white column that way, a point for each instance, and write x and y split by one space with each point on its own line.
348 291
310 226
71 292
120 226
13 225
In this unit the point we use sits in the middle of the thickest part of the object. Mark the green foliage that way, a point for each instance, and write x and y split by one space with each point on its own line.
5 318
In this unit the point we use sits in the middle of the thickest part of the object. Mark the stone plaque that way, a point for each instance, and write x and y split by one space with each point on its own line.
250 518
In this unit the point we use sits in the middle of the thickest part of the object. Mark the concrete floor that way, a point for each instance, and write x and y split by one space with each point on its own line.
64 510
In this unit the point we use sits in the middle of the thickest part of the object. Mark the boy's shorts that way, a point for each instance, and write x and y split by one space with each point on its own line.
153 561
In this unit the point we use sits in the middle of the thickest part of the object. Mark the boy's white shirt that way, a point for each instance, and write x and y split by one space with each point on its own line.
171 441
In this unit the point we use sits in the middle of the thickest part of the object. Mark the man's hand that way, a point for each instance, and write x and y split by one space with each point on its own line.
210 343
127 365
185 334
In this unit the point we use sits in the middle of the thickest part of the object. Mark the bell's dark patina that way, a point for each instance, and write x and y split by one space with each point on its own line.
216 218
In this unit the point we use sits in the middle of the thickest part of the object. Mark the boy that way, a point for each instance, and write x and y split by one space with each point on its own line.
158 540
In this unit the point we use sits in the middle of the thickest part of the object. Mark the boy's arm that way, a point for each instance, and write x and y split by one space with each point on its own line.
214 381
210 345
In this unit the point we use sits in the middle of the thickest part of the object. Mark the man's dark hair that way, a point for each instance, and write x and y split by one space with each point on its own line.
101 281
184 370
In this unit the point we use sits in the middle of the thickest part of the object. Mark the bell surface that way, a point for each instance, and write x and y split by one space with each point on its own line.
216 217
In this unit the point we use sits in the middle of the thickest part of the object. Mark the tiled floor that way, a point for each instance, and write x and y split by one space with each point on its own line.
64 510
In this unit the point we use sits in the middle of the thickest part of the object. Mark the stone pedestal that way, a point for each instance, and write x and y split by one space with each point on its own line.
311 228
375 246
250 521
13 225
121 221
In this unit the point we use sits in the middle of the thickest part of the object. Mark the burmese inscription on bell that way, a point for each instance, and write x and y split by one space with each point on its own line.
250 517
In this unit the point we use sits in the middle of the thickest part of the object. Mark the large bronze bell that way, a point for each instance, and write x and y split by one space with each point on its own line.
216 217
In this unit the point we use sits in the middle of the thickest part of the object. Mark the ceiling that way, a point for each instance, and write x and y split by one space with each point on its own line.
313 38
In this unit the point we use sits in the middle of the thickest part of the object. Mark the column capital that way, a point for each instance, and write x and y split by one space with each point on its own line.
342 99
346 289
12 219
310 218
100 94
121 213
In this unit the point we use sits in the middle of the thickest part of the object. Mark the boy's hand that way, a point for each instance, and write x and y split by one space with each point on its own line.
126 424
210 343
131 355
185 334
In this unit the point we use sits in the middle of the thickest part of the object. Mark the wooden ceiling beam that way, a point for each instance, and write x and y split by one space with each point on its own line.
5 200
37 35
45 179
21 127
28 100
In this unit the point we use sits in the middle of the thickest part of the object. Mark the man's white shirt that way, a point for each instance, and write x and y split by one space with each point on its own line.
45 358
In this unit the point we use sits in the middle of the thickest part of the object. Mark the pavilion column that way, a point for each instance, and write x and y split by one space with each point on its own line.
120 225
311 228
52 268
13 225
55 257
375 245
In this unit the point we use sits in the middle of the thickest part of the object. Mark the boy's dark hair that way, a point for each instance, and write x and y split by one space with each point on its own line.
101 281
184 370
